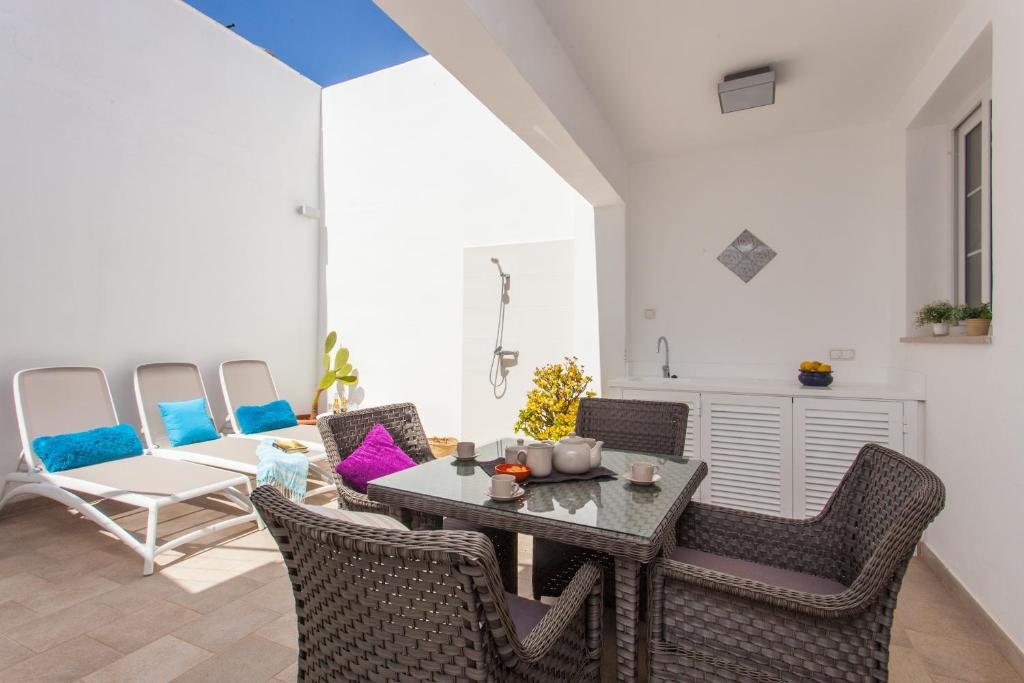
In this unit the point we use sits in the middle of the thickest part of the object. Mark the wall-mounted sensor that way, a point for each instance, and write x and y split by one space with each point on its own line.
747 89
308 211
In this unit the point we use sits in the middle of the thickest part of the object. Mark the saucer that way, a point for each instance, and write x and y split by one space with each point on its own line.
516 496
469 459
631 480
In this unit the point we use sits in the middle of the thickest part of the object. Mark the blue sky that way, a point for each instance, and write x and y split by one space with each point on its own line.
328 41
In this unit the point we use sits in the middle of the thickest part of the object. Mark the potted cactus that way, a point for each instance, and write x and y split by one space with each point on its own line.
976 319
340 371
938 314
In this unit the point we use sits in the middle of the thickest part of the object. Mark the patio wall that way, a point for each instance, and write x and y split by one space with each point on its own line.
976 393
152 164
539 324
417 170
825 202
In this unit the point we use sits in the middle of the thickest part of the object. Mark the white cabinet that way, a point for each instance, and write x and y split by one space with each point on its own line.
692 448
747 443
828 433
785 455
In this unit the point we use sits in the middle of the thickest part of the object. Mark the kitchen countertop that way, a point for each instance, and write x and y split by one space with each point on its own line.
771 387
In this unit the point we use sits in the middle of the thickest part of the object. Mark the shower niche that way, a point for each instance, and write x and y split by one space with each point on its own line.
518 314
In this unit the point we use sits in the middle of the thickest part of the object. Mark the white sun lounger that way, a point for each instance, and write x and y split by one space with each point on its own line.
62 400
249 383
161 382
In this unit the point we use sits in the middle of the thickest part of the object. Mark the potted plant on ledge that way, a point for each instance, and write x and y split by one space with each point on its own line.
976 319
938 314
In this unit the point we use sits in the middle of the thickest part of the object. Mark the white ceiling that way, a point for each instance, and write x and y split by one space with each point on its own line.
653 65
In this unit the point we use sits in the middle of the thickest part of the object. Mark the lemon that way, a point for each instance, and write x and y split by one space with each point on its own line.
806 365
824 367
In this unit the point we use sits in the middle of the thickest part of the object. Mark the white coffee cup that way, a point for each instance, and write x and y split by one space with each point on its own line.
465 450
539 455
504 486
643 471
515 455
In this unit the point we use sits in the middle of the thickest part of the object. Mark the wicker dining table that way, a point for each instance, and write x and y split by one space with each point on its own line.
628 522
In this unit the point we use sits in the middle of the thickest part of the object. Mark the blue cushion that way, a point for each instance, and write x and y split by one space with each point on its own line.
187 422
273 415
79 449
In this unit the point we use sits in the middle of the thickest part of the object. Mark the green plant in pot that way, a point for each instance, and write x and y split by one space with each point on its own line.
977 319
938 314
341 371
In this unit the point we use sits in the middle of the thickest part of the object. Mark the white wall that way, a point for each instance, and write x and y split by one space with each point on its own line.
929 215
610 256
825 202
416 171
152 162
976 393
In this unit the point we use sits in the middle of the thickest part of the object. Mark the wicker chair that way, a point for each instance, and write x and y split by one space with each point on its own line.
343 433
757 598
646 426
387 605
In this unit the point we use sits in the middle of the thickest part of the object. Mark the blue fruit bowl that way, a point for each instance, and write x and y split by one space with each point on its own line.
815 379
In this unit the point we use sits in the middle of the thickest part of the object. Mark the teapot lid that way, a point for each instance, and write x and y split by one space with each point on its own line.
572 438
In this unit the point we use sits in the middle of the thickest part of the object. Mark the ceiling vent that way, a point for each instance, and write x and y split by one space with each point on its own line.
747 89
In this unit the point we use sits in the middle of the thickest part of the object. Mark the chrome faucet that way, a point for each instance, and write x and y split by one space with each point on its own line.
665 371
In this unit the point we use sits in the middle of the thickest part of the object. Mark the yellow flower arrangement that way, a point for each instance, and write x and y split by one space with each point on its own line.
550 411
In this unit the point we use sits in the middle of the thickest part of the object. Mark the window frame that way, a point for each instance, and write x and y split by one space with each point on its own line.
979 115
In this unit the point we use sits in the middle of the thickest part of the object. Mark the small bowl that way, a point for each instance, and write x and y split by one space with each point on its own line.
815 379
441 446
520 472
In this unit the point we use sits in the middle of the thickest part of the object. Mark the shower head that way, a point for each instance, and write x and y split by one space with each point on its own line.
500 271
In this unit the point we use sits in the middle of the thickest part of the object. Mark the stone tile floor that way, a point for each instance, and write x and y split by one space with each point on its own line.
75 606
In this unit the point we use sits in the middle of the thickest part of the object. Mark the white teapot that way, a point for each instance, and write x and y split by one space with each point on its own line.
576 455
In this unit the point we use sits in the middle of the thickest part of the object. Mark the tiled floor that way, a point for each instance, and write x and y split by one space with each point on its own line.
74 606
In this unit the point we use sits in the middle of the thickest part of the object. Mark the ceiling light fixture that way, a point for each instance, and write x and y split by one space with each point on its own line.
747 89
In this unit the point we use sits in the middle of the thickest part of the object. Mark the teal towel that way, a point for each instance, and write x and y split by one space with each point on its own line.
286 471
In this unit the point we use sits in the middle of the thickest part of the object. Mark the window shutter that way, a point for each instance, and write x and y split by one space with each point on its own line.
748 443
828 435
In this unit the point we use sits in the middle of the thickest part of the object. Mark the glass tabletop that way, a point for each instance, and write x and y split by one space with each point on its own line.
609 504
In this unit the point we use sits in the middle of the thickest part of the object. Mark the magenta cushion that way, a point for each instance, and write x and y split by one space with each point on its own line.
376 456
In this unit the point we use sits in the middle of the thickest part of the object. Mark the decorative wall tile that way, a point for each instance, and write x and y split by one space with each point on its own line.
746 256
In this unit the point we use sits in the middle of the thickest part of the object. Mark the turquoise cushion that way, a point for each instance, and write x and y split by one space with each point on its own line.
187 422
79 449
274 415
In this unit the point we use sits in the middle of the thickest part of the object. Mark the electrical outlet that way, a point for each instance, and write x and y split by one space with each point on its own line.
841 354
649 314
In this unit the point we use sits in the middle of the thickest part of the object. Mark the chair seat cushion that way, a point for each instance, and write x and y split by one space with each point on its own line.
377 456
370 519
773 576
525 613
